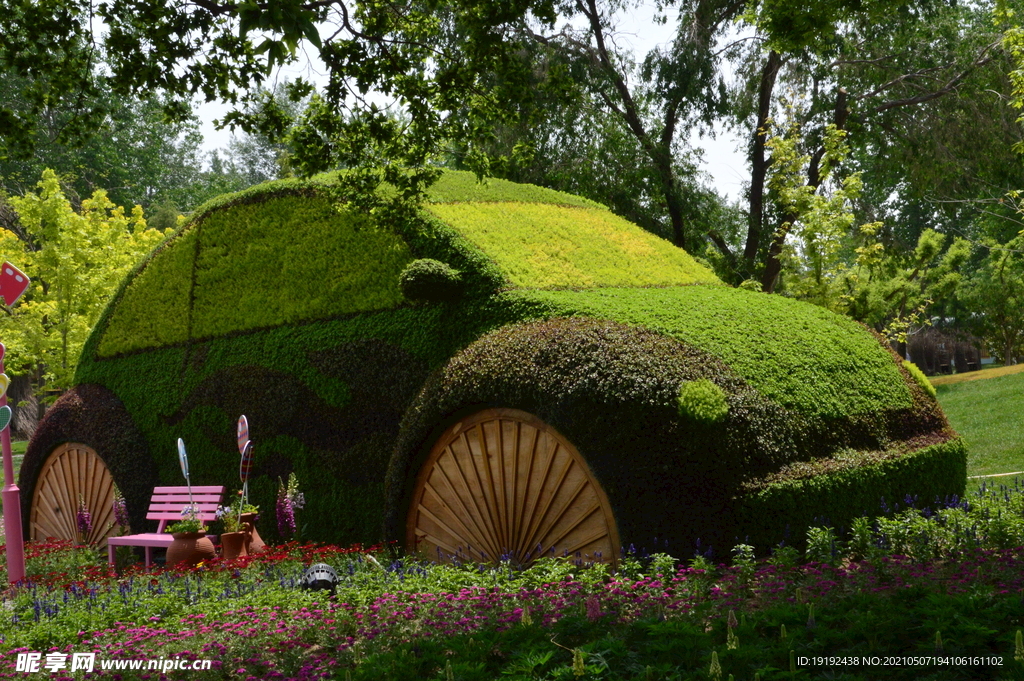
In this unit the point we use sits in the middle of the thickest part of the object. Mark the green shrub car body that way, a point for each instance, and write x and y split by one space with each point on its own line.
703 411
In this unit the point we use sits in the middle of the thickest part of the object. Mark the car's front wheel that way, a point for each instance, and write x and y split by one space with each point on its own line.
502 484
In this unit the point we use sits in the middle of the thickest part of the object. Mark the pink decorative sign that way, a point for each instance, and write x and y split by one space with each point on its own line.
13 283
246 467
243 434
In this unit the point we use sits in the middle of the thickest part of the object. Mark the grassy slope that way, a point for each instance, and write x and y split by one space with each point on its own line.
988 415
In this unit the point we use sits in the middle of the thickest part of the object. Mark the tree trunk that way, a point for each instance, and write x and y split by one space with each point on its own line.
25 417
675 207
758 162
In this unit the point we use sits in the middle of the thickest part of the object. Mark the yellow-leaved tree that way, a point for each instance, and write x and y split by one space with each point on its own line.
75 261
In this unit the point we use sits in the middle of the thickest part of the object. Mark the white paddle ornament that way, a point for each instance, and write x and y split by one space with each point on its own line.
245 449
244 469
183 460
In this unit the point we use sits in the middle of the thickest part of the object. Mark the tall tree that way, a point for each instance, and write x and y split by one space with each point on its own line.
130 151
75 260
995 294
876 69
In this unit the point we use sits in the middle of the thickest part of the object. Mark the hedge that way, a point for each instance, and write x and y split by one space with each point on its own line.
781 511
344 378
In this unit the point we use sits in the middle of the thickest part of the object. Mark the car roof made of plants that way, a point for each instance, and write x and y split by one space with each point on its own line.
286 252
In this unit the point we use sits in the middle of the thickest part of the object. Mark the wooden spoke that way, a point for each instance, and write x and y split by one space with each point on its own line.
503 483
71 473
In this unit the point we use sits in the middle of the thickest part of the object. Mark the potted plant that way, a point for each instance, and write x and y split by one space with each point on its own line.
190 545
239 537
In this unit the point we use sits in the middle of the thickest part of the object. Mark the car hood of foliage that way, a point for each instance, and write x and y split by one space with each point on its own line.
285 253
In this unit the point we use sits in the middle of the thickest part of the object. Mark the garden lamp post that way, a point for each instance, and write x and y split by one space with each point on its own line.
13 283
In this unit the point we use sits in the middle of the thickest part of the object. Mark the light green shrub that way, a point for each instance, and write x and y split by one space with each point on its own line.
919 376
802 356
702 401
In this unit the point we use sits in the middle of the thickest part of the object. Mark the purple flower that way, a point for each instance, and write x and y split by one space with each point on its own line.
84 520
285 515
120 510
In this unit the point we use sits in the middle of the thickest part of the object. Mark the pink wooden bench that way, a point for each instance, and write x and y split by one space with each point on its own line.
165 507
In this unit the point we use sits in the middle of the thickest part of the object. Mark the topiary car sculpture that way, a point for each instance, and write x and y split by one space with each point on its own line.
510 371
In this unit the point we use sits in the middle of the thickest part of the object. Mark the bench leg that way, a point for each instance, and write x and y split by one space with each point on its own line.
149 556
110 554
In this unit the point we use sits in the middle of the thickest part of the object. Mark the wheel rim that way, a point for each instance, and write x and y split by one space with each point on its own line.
502 483
71 473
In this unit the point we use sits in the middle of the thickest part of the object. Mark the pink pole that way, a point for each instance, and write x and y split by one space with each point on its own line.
12 502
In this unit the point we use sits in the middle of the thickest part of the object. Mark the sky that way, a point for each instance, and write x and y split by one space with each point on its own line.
723 160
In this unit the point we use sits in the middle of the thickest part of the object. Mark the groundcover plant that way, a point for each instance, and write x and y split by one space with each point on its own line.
923 592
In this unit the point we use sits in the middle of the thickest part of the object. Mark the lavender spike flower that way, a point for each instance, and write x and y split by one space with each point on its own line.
83 519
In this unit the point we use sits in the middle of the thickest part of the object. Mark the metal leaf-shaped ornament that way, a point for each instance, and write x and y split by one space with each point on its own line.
183 458
243 434
246 467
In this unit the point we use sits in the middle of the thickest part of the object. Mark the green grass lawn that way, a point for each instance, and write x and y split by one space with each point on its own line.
989 414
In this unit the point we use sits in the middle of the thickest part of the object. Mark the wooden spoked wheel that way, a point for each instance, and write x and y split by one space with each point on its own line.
504 484
72 473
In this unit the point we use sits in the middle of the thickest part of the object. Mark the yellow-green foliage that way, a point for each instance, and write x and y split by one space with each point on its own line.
919 376
547 246
458 186
75 259
291 259
282 260
153 311
702 401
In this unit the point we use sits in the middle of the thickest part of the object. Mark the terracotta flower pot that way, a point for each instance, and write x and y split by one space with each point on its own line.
255 543
190 548
233 545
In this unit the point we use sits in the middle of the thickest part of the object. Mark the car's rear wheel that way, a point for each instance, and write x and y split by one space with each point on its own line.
72 474
501 483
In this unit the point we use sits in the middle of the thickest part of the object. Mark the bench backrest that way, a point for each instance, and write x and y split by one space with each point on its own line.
168 502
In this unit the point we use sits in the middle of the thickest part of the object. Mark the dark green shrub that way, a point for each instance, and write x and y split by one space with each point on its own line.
92 415
430 280
783 509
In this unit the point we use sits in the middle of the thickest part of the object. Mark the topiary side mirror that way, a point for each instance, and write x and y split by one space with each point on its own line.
430 280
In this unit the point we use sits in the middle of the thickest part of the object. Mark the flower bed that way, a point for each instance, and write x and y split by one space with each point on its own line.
955 613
